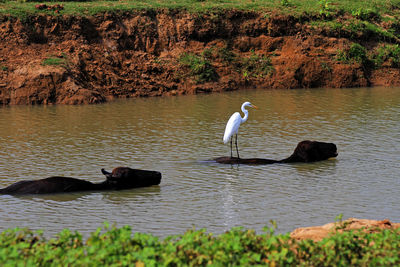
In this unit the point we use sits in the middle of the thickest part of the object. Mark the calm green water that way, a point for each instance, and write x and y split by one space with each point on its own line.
177 135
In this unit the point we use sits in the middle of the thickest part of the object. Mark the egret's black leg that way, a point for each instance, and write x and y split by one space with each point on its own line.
237 150
231 146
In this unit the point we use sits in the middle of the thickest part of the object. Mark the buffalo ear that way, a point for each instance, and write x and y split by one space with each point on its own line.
106 173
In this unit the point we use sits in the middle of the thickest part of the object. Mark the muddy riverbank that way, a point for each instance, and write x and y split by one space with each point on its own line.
74 60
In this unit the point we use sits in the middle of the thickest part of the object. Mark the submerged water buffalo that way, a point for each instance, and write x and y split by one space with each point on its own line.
120 178
306 151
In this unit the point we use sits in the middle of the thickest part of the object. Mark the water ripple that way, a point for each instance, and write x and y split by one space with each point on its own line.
178 136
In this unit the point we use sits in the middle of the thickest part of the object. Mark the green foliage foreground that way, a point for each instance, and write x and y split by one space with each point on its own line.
237 247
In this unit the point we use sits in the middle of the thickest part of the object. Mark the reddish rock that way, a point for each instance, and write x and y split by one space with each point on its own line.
56 7
317 233
41 6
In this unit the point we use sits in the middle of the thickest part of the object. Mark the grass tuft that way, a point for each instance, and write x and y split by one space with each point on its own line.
61 61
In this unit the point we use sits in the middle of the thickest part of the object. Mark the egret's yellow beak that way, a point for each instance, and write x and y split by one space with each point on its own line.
254 106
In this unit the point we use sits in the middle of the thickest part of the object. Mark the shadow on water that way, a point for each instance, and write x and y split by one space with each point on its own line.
326 167
301 168
111 195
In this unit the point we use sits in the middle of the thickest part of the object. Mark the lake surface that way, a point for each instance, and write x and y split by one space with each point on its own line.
177 135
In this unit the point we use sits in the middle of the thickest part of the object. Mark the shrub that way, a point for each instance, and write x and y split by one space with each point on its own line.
286 3
255 65
356 53
226 54
200 66
324 7
389 53
366 14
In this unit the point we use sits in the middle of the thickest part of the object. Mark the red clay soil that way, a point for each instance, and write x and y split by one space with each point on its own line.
137 54
317 233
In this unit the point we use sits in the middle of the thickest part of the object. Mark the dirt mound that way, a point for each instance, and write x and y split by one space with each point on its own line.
318 233
72 60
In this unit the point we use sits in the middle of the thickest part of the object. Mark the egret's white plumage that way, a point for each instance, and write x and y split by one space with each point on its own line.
232 127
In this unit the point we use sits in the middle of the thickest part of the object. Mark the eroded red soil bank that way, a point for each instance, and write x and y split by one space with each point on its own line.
72 60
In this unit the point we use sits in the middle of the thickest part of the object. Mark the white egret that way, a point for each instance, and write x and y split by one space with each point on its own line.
232 127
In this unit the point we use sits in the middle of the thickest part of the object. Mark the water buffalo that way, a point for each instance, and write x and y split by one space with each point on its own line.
119 178
306 151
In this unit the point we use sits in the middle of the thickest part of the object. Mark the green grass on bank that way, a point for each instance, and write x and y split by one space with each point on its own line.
356 7
237 247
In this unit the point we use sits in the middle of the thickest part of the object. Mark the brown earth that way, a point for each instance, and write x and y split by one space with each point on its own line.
317 233
137 54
